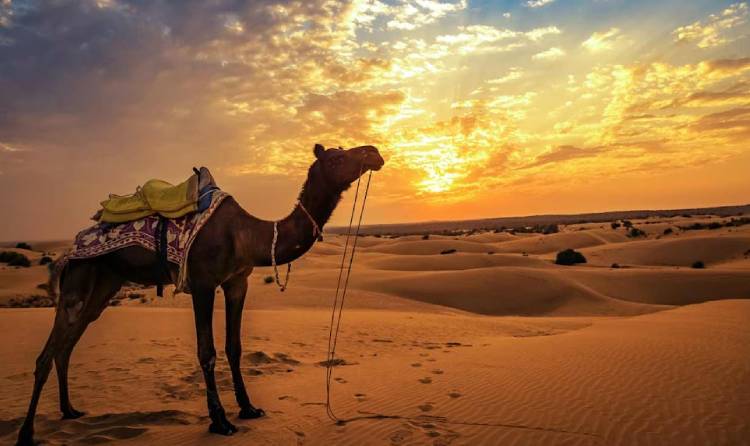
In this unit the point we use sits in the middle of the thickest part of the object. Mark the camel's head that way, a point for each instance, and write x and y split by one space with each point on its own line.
343 166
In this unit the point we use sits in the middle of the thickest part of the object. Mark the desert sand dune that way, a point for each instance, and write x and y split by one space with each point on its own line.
666 287
458 261
456 379
673 251
545 244
491 344
21 282
429 247
504 291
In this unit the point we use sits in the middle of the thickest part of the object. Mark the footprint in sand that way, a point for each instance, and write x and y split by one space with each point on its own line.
113 434
454 395
426 407
360 397
341 380
400 436
437 372
426 380
416 364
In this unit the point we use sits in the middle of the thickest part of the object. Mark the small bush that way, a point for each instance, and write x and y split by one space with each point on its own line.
448 251
715 225
426 237
13 258
635 233
698 265
45 260
569 257
615 225
268 279
23 245
668 231
615 265
627 223
34 301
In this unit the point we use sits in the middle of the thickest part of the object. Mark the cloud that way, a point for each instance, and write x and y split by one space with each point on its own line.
138 77
565 153
553 53
713 31
537 3
736 94
602 41
407 15
538 34
513 74
734 123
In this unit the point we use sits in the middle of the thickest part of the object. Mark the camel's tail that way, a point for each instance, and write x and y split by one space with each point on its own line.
56 270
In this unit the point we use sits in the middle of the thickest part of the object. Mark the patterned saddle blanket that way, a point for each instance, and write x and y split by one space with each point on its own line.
103 238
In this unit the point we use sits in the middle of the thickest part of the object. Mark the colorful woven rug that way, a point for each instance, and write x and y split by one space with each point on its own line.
103 238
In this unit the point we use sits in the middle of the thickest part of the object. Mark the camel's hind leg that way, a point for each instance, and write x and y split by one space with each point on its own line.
85 293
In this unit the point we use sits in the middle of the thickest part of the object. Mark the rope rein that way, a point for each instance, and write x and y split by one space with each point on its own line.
338 302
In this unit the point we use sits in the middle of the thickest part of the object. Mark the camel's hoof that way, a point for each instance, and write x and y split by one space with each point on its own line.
72 414
222 427
250 413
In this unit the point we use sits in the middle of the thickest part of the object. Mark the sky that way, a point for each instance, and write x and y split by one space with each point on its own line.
480 108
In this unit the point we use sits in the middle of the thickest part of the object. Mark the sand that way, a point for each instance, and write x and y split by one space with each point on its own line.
461 348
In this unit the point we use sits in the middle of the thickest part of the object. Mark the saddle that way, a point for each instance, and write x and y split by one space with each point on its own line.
157 197
160 197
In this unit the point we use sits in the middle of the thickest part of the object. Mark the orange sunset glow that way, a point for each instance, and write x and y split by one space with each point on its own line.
481 108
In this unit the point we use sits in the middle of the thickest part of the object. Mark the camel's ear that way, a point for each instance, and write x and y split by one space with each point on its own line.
318 150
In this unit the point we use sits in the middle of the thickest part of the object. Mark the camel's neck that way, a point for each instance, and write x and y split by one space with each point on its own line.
295 232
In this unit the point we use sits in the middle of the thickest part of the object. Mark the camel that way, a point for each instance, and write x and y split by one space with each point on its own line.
223 254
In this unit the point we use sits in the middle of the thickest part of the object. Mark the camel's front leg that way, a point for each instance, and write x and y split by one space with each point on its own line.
203 306
234 293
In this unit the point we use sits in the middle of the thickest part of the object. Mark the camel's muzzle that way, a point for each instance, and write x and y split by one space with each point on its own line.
371 159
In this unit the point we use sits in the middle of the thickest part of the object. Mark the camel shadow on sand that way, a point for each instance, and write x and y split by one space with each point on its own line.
103 428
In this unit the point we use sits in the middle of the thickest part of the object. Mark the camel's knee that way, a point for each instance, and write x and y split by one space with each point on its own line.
72 307
207 360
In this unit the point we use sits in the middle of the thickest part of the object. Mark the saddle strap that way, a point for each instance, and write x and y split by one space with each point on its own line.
162 266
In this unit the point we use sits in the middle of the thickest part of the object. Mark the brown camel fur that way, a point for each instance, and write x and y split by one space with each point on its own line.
224 253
